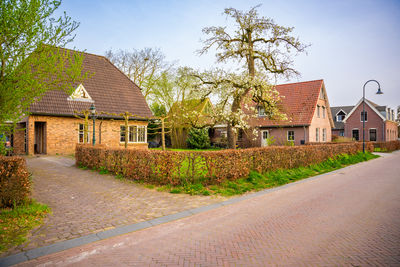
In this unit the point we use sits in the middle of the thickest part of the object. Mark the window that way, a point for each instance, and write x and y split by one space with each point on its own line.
317 135
261 111
322 94
324 135
323 112
372 134
122 134
341 132
136 134
340 116
318 107
81 135
290 135
356 134
366 115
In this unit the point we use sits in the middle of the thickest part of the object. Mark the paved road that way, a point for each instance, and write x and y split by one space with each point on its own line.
85 202
348 218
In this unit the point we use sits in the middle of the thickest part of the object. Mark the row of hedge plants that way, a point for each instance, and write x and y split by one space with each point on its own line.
388 146
15 184
205 167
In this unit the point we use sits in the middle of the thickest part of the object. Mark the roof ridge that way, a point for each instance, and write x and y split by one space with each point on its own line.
84 52
301 82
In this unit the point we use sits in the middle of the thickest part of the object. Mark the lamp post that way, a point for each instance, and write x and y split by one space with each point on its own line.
363 113
93 111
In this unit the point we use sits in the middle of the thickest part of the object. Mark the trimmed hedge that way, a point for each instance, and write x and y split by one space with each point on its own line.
387 146
15 184
206 167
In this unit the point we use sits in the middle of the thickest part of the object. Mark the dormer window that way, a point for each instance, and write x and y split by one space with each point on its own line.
340 116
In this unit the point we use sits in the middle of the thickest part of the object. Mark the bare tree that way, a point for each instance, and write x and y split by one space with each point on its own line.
144 67
263 46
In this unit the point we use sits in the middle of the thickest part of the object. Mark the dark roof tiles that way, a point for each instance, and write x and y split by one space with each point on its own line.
110 89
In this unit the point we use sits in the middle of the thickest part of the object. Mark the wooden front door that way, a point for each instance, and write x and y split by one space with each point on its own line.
40 137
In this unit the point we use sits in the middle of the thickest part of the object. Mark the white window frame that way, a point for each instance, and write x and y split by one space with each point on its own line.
261 114
324 135
287 135
128 134
344 116
323 111
363 117
316 134
120 133
83 134
369 134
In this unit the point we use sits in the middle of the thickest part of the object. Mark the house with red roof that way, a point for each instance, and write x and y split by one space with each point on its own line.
54 128
309 117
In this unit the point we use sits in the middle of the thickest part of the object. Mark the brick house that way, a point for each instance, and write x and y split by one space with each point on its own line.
309 117
380 122
53 128
339 114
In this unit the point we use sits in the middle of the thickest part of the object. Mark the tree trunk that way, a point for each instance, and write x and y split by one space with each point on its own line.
250 59
231 135
162 134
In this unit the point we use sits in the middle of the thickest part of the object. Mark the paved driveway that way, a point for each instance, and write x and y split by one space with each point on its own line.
347 218
85 202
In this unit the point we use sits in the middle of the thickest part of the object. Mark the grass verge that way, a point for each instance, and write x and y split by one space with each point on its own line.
257 181
17 222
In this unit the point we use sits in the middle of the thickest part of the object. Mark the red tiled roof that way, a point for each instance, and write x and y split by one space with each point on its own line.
111 90
299 103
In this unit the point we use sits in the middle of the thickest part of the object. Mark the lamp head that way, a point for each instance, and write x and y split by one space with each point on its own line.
379 91
92 109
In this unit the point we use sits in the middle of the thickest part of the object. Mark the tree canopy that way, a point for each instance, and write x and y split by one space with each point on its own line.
144 67
264 49
32 60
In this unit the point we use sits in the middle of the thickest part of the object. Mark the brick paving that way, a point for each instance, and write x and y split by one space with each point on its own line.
347 218
85 202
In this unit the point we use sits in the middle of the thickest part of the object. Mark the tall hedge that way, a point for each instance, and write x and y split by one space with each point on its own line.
387 146
15 184
207 167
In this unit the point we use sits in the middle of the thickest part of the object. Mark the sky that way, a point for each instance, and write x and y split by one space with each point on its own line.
351 41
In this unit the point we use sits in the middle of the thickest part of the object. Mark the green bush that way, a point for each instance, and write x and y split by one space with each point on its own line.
198 138
15 183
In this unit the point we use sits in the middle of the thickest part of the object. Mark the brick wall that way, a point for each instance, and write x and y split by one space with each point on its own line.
391 131
61 133
374 121
19 138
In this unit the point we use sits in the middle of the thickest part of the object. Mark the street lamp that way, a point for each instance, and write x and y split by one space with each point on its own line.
93 111
363 113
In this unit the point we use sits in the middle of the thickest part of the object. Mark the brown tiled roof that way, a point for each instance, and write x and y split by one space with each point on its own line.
110 89
299 103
